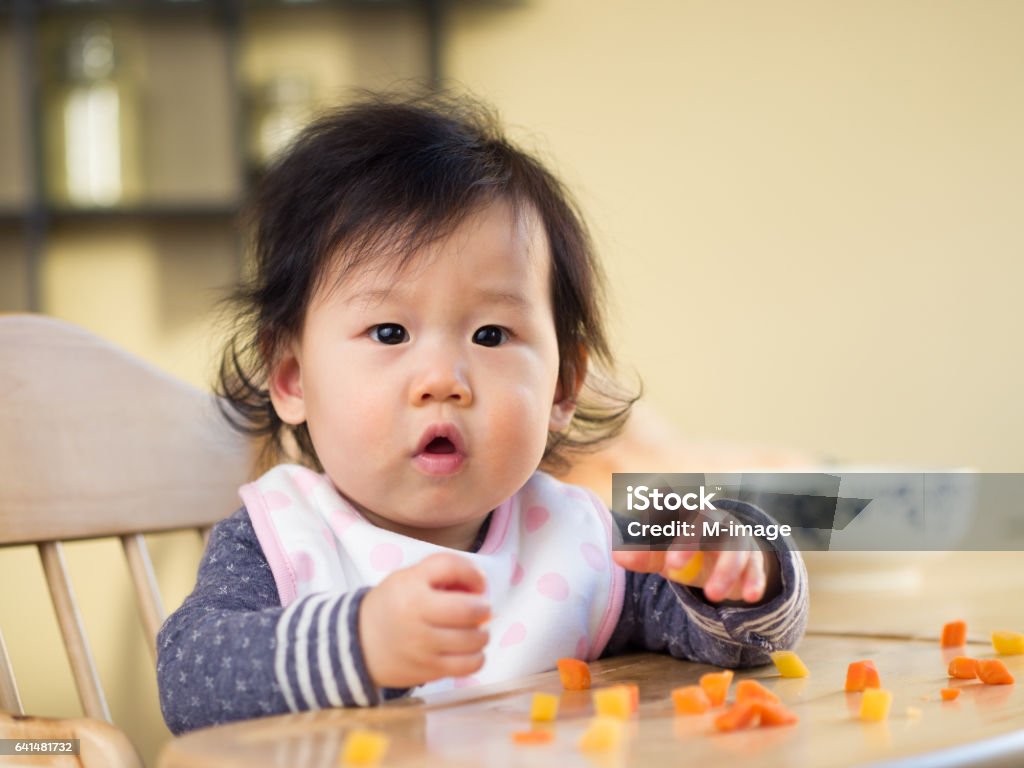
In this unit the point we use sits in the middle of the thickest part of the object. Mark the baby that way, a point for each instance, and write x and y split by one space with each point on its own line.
423 311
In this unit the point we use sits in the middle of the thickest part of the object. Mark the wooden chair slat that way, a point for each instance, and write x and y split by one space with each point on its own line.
90 690
10 701
147 591
97 443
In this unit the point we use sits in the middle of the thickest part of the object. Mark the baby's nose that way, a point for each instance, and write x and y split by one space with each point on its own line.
442 380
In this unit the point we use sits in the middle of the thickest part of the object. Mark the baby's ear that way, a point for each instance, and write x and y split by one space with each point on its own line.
285 385
564 406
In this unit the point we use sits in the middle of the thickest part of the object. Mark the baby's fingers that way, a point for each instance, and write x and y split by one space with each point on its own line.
641 562
456 610
453 572
754 578
725 576
456 642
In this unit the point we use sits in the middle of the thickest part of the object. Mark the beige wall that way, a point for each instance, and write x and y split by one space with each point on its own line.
809 211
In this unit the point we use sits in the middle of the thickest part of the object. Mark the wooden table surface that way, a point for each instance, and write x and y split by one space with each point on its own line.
896 628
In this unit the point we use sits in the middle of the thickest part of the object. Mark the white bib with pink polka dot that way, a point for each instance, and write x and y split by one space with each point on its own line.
553 588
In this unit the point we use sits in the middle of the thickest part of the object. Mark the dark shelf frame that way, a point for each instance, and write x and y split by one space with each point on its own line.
37 216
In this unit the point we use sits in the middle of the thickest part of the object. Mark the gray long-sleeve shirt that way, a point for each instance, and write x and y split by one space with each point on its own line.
231 651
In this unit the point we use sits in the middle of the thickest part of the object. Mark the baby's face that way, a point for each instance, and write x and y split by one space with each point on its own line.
429 393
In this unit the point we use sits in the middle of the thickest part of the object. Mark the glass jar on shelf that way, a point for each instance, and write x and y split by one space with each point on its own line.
91 120
280 107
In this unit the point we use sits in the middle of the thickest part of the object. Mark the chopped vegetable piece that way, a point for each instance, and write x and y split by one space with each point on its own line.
1008 643
690 700
689 572
364 747
875 704
773 713
716 686
575 674
913 713
533 737
948 694
789 664
963 668
613 701
861 675
634 695
751 690
994 672
954 634
544 707
603 735
738 716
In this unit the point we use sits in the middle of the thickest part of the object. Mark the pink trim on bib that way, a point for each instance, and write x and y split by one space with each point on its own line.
616 595
266 532
498 529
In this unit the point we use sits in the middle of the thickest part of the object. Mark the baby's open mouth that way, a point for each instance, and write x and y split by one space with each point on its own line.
441 451
440 445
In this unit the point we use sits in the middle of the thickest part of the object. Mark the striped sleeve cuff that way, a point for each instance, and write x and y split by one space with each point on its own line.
318 661
776 625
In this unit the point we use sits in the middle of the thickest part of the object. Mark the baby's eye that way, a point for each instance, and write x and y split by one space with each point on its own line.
389 333
490 336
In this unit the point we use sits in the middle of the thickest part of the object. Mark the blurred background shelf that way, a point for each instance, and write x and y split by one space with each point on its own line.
136 112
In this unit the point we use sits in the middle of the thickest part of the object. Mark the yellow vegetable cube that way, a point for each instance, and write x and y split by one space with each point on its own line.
364 747
689 572
614 701
1008 643
789 664
603 735
544 707
875 704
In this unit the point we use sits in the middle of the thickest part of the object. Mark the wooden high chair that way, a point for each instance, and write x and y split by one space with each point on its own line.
96 443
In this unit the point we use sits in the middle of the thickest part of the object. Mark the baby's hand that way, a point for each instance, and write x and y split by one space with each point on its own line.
422 623
728 575
747 572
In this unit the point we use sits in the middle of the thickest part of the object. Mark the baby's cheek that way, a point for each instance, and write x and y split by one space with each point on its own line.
522 420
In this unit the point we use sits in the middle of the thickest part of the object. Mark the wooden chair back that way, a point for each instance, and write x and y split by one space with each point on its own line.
96 443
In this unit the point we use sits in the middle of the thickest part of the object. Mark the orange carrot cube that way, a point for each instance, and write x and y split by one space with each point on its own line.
861 675
533 737
948 694
738 716
772 713
575 674
690 700
994 672
751 690
954 634
963 668
716 686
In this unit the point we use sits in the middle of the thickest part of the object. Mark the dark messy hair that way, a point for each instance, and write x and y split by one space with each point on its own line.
375 181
